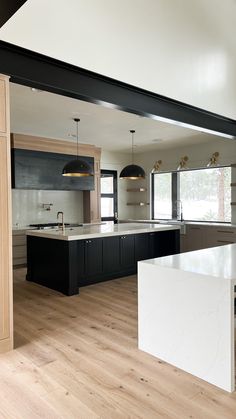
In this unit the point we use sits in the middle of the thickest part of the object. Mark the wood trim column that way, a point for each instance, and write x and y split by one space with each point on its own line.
6 300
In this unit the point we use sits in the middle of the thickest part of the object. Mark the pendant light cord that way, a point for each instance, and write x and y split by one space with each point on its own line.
132 133
77 120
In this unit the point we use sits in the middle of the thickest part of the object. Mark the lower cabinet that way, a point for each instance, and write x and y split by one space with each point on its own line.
127 251
93 257
203 236
111 254
67 265
112 257
144 246
19 247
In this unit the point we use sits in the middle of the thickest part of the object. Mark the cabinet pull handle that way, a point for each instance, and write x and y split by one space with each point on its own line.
225 231
225 241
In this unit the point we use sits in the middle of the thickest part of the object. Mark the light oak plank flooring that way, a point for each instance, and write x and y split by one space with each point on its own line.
77 357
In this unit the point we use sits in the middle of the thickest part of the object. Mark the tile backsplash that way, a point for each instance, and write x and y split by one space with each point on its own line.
27 206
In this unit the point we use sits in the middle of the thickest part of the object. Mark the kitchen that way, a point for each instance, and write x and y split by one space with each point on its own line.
101 353
45 264
111 161
39 325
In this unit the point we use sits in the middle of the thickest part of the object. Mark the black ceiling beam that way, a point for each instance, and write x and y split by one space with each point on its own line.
8 8
37 70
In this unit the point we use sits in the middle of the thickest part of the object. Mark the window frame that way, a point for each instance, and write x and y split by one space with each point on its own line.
113 195
175 192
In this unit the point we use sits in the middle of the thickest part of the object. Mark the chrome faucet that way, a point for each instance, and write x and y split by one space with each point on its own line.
61 225
179 208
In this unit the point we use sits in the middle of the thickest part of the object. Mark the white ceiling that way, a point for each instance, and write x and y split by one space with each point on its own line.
181 49
49 115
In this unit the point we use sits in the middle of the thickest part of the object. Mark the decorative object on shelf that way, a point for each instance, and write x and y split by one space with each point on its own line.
214 159
77 167
132 171
47 207
139 204
136 189
183 163
157 166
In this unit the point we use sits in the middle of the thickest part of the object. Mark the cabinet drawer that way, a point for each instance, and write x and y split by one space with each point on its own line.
19 261
19 251
225 239
19 240
226 232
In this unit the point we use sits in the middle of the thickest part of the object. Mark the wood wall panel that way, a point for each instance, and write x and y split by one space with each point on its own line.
2 106
6 306
92 199
30 142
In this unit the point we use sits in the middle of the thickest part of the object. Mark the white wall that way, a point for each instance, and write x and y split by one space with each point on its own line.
198 155
179 48
27 206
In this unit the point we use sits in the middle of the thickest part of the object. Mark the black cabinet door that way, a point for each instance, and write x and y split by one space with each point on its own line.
127 253
93 257
167 243
81 259
141 247
111 254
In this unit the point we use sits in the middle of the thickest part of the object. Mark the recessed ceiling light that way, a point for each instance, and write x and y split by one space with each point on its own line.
157 140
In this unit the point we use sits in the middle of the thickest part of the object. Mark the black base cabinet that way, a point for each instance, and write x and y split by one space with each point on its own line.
67 265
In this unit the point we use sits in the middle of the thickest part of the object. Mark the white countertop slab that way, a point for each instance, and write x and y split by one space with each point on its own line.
217 262
202 223
96 231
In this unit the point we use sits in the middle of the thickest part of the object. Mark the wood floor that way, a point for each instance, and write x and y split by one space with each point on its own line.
77 357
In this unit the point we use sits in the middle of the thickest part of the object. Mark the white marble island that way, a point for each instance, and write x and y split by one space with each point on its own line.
186 312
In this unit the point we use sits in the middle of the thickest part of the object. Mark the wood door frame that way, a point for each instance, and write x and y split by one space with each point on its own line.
6 299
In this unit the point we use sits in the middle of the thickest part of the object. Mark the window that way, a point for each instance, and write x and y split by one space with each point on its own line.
202 194
108 195
205 194
162 194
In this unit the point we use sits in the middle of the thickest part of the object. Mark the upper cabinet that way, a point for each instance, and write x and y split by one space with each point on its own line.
37 163
43 170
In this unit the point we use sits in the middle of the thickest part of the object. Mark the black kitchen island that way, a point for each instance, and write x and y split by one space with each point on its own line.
86 255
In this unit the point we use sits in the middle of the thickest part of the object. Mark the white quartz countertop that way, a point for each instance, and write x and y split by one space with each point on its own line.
202 223
218 262
95 231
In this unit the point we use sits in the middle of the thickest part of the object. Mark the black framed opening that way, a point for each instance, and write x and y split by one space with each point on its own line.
37 70
109 195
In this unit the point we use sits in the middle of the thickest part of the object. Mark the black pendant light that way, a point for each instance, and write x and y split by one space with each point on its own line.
132 171
77 167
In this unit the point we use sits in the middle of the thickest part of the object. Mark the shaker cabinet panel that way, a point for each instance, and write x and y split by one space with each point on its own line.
142 248
93 257
127 256
111 254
